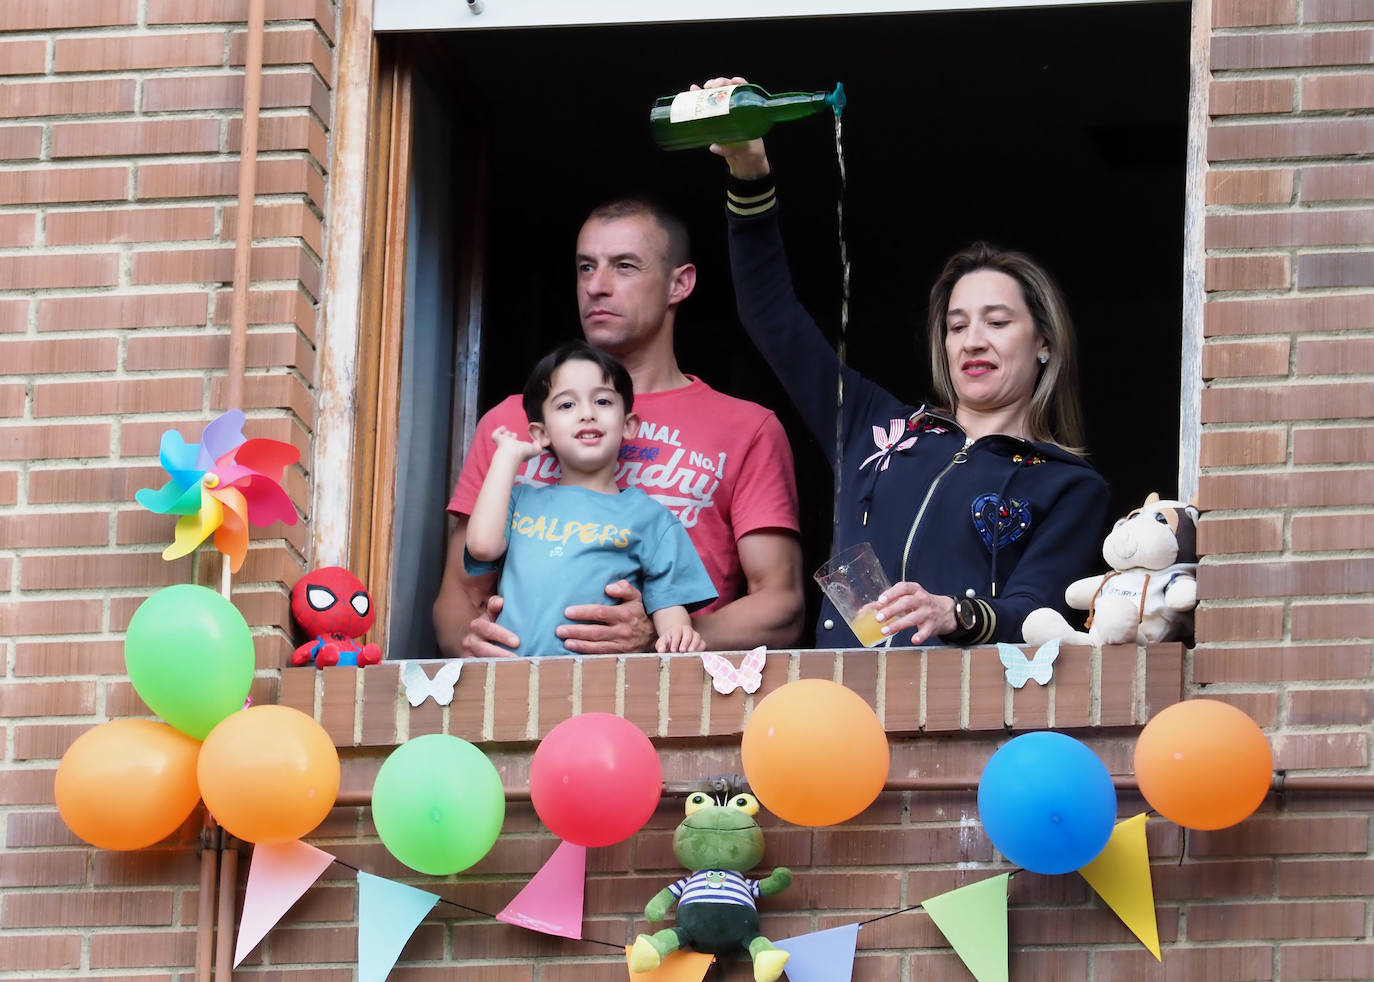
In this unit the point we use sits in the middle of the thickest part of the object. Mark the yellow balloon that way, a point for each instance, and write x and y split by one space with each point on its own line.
127 783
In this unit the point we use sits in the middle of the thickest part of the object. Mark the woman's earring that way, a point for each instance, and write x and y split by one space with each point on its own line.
1044 359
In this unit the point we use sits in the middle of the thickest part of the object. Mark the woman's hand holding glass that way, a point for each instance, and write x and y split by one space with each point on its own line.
907 606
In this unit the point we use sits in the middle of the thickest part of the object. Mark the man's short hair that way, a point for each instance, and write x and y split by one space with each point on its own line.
647 205
541 378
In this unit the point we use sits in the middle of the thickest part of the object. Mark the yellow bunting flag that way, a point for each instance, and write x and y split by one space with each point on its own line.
678 966
973 919
1121 876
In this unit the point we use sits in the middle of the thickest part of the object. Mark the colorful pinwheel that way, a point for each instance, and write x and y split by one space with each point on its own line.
220 485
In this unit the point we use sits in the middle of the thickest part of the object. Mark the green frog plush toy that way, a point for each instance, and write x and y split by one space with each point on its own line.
716 911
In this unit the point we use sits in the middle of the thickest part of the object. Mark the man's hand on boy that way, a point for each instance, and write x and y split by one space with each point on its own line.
609 629
485 636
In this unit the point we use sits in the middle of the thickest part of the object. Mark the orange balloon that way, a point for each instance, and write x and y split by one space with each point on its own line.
1203 764
269 773
815 753
127 783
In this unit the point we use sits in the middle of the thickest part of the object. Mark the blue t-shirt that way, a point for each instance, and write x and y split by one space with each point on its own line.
564 544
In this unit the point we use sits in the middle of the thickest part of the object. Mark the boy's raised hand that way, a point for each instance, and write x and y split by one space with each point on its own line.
510 442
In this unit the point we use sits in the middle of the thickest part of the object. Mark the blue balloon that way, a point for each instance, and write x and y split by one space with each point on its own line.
1047 802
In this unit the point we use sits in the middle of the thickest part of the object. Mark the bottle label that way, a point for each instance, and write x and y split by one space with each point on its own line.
701 104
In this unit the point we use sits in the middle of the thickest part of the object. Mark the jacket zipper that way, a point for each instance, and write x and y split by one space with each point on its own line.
959 457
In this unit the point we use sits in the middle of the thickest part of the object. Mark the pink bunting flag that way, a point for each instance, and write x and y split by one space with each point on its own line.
822 956
279 874
552 902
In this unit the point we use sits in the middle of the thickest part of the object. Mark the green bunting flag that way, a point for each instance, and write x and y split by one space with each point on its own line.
973 919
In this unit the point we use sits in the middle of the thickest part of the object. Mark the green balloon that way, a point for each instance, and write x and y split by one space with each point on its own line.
189 655
438 804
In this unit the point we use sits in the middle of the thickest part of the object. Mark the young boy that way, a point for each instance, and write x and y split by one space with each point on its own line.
560 544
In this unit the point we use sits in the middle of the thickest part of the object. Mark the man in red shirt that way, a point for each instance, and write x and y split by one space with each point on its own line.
722 465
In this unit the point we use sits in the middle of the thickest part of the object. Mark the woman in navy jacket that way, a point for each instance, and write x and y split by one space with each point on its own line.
982 509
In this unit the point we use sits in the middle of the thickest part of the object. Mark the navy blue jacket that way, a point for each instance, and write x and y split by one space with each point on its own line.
1012 521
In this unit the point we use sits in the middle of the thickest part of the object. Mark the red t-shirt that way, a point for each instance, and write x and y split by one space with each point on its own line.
722 465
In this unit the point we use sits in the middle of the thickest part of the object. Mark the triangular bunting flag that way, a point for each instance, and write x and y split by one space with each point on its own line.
974 921
823 956
278 874
388 914
1121 876
679 966
552 901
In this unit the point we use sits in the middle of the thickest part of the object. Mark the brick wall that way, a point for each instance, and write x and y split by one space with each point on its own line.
118 135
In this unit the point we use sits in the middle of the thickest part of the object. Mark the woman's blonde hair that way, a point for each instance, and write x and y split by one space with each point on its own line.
1055 415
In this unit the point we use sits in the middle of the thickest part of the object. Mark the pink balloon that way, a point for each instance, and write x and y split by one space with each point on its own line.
595 779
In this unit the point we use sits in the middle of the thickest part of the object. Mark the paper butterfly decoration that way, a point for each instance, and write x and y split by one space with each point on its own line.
725 677
1020 669
219 485
420 686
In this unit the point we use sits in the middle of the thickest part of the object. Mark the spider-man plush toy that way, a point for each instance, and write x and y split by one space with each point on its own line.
333 606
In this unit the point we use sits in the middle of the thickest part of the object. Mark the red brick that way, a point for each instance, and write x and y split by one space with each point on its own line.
19 228
30 869
106 312
20 699
124 908
1335 961
1319 11
1335 92
274 221
1233 186
47 742
269 349
12 399
1333 445
1320 751
143 949
1289 920
9 487
289 46
1314 662
39 15
1330 708
1234 97
1332 532
217 266
1333 621
54 529
1254 533
47 442
225 91
1291 49
1289 228
20 99
1262 707
41 951
1288 489
1343 182
1250 622
50 271
236 12
1257 272
1308 138
291 176
270 392
125 396
1262 836
1240 359
92 570
14 316
41 357
1343 356
1266 403
1310 577
21 142
118 53
29 57
1306 314
292 306
135 137
1253 13
49 617
137 224
1335 269
1326 878
297 131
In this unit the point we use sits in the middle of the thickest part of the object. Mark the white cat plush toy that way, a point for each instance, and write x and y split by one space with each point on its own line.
1151 591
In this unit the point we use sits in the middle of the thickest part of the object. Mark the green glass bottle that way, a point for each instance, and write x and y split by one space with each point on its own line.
731 114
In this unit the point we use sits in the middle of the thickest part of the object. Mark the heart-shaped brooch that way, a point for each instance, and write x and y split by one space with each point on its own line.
1003 520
